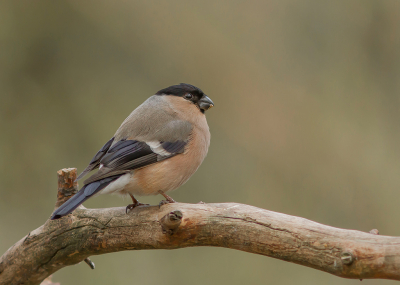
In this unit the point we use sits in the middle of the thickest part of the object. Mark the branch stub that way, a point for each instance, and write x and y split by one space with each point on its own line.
171 222
374 232
67 185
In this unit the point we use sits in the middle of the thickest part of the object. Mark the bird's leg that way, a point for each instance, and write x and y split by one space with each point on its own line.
167 200
135 204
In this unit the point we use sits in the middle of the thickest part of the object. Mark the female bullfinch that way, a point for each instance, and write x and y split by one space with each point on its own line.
155 150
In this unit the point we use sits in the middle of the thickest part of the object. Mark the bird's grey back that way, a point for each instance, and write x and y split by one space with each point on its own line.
154 120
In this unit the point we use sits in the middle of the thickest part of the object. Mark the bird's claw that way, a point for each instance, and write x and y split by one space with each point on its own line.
130 207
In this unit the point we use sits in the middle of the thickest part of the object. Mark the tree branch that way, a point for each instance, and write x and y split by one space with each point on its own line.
86 232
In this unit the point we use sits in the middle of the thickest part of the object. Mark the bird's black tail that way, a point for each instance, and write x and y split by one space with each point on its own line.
85 193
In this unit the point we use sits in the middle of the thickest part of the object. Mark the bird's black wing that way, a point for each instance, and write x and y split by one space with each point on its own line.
127 155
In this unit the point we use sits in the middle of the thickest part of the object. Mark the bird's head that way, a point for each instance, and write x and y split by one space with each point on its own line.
189 93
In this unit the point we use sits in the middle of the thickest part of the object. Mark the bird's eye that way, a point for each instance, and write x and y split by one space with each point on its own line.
188 96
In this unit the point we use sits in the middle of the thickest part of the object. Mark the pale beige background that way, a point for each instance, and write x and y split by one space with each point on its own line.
306 121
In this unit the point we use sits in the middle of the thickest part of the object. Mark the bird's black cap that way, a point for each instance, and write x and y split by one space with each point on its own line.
180 90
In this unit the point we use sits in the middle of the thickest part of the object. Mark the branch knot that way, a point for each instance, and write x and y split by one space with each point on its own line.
347 258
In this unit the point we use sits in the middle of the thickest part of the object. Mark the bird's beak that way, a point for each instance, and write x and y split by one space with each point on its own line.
205 103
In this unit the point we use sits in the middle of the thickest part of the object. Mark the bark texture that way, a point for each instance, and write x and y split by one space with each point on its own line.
86 232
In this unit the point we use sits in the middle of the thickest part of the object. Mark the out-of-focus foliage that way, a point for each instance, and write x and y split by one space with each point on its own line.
306 117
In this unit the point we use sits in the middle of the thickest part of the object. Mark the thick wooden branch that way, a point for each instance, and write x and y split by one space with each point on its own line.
86 232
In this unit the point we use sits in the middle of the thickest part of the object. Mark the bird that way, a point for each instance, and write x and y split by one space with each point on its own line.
157 148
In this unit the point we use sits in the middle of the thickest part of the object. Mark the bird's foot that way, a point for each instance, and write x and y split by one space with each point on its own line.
167 200
130 207
163 202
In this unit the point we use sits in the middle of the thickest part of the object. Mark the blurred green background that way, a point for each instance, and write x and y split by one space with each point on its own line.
306 117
